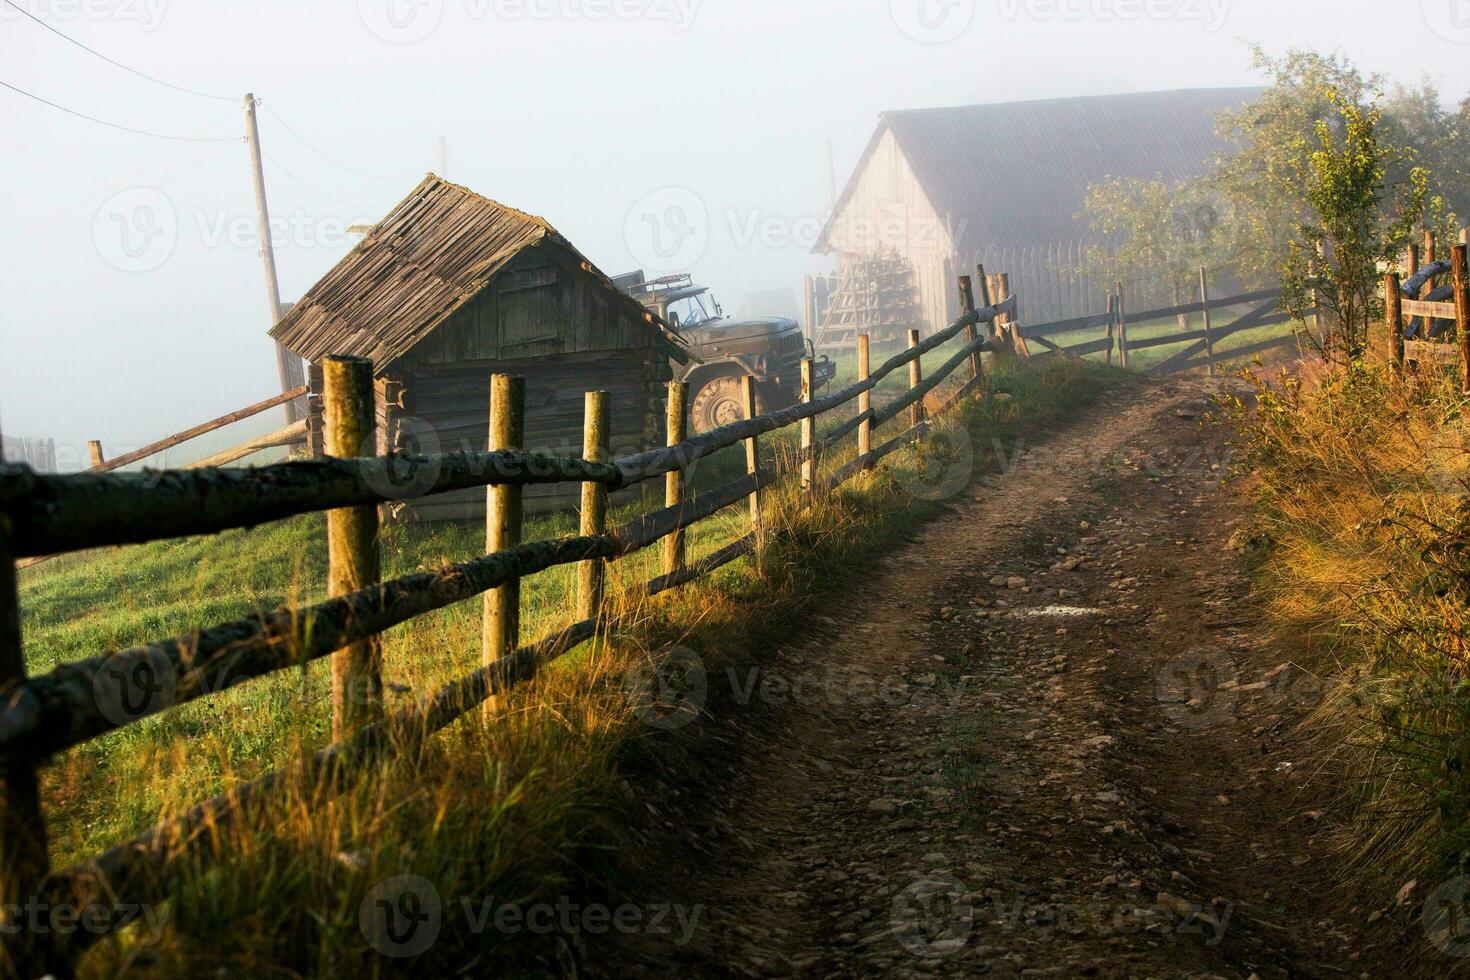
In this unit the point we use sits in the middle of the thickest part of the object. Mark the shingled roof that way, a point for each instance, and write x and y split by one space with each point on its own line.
1017 173
435 250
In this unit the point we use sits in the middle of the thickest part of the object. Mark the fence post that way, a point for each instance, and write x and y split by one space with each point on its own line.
1462 314
865 400
593 572
1393 303
94 449
808 429
916 378
967 307
352 541
752 457
674 483
504 518
997 325
1112 326
24 856
1204 298
982 280
1122 327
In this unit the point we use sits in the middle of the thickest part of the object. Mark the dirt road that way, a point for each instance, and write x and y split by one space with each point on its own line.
1009 752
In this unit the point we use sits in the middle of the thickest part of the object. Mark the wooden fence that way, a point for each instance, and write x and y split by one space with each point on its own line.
290 435
37 453
1263 309
77 702
1418 311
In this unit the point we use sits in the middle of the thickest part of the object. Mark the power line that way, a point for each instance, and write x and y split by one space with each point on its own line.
110 61
113 125
320 152
335 200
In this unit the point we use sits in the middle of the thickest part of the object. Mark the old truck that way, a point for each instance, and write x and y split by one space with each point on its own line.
726 349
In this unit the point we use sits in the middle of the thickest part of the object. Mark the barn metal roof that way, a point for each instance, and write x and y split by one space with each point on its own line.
1017 173
434 252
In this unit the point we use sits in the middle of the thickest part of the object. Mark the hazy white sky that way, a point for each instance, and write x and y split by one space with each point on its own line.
133 301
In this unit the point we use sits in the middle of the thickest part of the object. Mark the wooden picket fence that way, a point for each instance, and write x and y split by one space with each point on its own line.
1202 352
40 514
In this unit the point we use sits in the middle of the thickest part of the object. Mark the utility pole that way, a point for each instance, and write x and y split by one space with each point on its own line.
831 175
288 365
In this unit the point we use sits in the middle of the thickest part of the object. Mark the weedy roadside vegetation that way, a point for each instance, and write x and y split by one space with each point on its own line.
1360 480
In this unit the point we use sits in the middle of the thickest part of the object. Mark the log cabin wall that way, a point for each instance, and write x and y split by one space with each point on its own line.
545 319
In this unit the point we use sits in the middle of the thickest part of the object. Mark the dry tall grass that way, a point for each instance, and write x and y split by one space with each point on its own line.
1363 544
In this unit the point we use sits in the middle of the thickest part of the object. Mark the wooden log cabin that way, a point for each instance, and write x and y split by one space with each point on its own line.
451 288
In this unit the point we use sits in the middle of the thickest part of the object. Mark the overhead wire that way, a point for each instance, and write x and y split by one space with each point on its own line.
112 61
113 125
322 153
305 186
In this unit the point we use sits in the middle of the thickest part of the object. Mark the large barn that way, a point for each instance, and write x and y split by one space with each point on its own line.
451 288
939 190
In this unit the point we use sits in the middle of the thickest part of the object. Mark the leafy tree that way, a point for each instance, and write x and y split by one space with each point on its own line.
1417 118
1154 231
1270 140
1358 220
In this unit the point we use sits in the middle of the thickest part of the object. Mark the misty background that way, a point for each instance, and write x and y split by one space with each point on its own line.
134 302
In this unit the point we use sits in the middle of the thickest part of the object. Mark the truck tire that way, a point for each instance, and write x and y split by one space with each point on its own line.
717 403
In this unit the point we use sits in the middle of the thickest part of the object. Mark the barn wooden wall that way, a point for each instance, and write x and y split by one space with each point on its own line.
888 213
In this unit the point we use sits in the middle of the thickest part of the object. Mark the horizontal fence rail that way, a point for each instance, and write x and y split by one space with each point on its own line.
1201 352
57 514
81 701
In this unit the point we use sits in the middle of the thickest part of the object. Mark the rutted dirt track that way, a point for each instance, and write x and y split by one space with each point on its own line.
1006 762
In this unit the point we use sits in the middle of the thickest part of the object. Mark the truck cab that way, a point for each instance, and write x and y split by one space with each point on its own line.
726 349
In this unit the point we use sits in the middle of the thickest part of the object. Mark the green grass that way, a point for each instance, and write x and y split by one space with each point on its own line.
520 803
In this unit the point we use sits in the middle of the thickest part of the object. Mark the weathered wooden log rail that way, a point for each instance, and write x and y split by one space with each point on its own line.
1202 351
77 702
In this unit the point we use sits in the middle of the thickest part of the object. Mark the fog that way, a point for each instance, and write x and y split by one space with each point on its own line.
592 113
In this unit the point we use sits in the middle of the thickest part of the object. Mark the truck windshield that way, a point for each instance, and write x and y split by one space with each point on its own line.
691 311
